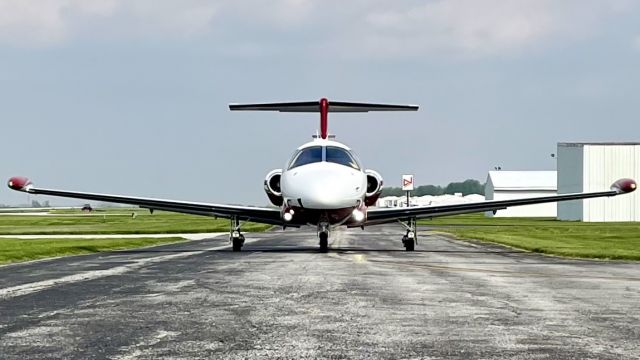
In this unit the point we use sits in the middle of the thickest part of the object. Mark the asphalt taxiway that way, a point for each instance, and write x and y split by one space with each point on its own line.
281 298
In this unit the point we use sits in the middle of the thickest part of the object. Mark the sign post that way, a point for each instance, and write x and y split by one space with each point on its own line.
407 185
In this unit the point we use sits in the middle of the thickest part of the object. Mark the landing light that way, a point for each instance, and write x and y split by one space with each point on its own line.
288 215
357 215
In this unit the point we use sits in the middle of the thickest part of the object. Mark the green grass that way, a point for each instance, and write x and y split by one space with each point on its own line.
116 221
564 238
16 250
101 221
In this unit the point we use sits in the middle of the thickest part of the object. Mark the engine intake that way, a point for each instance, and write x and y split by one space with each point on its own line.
374 187
272 187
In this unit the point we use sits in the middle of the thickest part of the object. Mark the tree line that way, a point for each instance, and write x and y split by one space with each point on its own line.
466 187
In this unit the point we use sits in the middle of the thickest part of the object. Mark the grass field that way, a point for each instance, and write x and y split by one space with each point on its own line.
16 250
549 236
574 239
101 221
116 221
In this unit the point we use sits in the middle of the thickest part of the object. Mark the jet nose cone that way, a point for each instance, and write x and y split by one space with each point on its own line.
328 192
325 186
334 192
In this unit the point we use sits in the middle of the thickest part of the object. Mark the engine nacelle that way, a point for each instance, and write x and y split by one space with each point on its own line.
272 187
374 187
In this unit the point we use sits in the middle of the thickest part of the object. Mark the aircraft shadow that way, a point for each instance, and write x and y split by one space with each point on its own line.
315 250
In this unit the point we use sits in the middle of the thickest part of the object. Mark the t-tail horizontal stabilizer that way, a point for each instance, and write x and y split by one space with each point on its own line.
323 106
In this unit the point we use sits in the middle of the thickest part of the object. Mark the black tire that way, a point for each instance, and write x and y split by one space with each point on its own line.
237 244
409 245
324 242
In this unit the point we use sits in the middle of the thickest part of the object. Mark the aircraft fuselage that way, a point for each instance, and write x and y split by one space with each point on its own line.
324 183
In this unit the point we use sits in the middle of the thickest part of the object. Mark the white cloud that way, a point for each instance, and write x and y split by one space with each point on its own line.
280 12
377 28
49 22
481 28
468 25
178 18
44 21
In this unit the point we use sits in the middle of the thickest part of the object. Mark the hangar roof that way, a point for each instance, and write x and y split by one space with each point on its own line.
523 180
606 143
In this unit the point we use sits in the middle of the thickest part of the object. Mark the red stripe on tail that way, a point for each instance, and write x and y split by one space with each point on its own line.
324 110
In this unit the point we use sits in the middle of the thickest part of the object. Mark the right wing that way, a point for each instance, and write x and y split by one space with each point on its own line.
386 215
246 213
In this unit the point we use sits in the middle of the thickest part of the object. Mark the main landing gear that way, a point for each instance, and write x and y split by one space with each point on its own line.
323 235
410 239
235 236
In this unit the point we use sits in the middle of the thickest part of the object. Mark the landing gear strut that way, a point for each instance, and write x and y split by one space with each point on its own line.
410 239
323 235
235 236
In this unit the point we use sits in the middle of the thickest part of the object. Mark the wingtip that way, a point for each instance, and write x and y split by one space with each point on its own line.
624 186
19 183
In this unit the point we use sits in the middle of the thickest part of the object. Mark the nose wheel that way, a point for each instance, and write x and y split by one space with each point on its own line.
235 236
409 243
237 242
324 241
323 236
409 240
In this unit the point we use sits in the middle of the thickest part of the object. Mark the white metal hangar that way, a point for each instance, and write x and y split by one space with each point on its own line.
594 166
505 185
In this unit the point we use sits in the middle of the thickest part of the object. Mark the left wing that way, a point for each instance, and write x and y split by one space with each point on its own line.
245 213
385 215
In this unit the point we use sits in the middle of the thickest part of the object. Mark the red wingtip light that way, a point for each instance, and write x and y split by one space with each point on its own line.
19 183
624 186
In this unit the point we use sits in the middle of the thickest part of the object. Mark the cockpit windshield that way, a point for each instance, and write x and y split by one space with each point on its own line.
341 156
332 154
307 156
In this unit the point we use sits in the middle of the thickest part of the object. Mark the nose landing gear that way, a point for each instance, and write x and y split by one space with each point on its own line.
410 239
323 235
237 240
235 236
324 241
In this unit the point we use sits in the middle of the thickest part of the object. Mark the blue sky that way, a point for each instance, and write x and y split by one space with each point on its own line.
131 96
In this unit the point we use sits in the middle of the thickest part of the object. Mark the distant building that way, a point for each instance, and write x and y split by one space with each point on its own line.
593 166
390 201
428 200
87 208
506 185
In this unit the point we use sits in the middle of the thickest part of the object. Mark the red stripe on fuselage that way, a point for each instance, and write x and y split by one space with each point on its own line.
324 110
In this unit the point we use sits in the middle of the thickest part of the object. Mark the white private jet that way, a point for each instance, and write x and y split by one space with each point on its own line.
323 185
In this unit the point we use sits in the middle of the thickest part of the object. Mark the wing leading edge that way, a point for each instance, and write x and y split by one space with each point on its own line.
246 213
273 217
385 215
